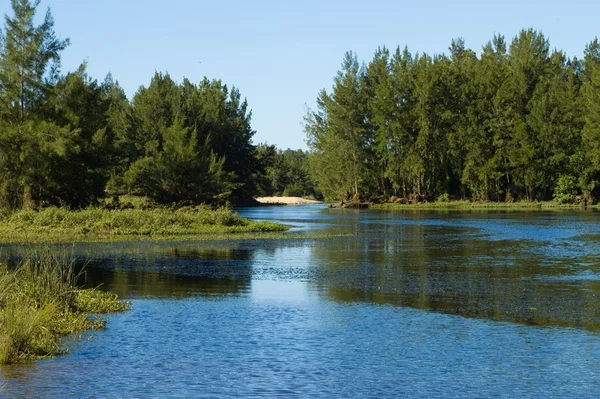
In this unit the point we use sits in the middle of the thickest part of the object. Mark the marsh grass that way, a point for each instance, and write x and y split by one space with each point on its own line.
40 303
59 224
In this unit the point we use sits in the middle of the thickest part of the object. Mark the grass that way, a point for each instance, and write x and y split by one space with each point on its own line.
463 204
40 303
95 224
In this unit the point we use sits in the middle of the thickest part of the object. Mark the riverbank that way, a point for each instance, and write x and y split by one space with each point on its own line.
286 201
40 303
97 224
465 205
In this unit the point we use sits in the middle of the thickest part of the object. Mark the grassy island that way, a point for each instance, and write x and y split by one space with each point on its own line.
97 224
40 303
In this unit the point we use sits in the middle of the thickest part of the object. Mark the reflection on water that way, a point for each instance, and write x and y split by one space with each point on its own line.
533 268
173 273
444 270
344 315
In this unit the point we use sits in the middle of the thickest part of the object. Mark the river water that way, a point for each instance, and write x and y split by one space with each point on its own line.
403 304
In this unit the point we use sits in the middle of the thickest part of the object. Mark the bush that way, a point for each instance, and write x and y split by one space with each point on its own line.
566 190
444 198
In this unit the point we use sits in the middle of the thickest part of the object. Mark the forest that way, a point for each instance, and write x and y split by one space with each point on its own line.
69 140
516 122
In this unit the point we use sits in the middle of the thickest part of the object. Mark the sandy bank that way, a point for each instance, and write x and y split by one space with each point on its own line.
286 200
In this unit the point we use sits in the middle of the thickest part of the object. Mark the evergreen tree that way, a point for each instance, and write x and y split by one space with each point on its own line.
381 107
403 127
30 148
339 134
517 122
590 100
553 123
327 160
29 62
486 128
180 171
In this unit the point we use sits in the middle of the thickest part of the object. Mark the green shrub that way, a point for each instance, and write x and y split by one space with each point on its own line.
444 198
566 190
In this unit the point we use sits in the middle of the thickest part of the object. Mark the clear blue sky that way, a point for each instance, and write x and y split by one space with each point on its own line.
281 53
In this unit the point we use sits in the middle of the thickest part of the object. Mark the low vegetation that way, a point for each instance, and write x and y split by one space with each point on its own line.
464 204
40 303
59 224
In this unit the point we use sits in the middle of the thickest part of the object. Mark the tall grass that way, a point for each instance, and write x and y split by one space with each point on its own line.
97 222
40 303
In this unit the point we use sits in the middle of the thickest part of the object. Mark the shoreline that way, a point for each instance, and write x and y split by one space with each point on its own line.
286 201
467 205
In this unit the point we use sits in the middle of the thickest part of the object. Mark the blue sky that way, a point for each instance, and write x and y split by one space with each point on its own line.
281 53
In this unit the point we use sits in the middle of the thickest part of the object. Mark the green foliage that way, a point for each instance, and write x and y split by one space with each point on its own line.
590 100
342 161
95 301
566 190
40 303
181 170
185 143
501 126
67 140
284 173
29 62
29 58
56 223
443 198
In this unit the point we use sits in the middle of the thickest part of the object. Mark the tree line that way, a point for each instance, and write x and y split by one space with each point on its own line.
285 173
517 122
69 140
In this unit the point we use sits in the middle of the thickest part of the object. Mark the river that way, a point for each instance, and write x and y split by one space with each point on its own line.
392 304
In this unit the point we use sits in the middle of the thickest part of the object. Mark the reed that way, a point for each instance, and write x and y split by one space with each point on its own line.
40 303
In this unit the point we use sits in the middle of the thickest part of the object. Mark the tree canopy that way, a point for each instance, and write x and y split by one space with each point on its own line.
67 139
517 121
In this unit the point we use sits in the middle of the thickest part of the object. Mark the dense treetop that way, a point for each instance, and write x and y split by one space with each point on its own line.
67 139
519 121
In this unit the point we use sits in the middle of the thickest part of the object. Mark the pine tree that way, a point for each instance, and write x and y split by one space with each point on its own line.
552 120
29 61
590 99
338 134
29 66
381 107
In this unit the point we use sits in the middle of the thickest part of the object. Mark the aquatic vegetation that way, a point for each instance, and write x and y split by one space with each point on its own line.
59 224
40 303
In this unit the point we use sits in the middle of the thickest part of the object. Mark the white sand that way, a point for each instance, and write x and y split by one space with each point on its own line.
286 200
